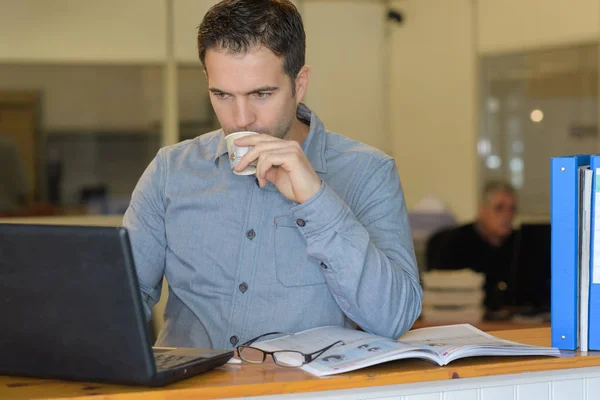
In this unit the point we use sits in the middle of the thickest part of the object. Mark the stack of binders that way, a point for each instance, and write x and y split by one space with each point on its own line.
575 254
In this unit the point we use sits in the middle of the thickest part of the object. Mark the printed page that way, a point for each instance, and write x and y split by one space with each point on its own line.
456 341
596 252
359 350
455 335
584 265
449 339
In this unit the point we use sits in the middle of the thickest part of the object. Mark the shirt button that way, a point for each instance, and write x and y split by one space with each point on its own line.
233 340
323 265
251 234
300 222
243 287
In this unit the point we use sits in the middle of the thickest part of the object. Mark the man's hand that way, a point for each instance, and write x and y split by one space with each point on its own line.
283 163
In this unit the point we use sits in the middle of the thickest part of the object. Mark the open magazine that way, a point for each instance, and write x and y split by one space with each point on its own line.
440 344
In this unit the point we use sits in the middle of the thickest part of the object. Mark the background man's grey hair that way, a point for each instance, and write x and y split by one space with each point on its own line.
492 187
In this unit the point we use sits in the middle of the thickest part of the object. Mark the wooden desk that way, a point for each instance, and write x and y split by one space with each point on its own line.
96 220
571 377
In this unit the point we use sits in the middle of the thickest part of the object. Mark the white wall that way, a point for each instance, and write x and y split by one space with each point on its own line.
433 83
346 86
82 30
509 25
188 15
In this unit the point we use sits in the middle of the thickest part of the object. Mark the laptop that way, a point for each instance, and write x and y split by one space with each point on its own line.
531 268
71 309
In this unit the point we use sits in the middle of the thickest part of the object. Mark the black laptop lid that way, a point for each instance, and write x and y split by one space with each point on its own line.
532 266
70 304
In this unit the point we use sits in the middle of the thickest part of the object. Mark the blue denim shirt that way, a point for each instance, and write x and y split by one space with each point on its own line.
242 261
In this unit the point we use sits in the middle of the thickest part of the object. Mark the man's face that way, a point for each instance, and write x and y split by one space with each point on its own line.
251 92
498 214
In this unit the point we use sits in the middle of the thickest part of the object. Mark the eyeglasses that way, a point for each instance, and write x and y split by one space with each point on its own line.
283 358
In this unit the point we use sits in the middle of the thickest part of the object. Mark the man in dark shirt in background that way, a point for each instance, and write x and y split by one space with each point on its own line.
486 245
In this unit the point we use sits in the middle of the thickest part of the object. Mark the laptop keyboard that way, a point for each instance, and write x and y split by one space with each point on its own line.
165 361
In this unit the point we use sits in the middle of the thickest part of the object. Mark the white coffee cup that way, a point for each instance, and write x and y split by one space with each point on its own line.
237 152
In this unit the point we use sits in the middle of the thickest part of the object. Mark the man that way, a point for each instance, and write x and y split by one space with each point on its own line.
318 237
486 246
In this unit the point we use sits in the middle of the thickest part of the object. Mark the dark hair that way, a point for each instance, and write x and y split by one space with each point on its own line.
238 25
495 186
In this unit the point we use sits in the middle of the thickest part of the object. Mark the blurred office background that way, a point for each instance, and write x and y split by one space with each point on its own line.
457 91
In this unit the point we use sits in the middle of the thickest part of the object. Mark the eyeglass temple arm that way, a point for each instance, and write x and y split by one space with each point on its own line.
313 356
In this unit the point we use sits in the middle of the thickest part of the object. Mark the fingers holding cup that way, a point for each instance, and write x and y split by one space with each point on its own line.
237 152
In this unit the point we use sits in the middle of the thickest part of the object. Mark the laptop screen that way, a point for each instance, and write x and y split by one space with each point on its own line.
72 299
531 267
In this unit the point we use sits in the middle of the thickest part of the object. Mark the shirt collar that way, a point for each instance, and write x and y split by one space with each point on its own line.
313 146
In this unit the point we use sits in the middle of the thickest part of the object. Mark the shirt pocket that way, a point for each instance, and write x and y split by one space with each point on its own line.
294 266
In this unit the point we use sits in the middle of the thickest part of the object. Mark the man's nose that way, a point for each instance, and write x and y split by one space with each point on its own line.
243 114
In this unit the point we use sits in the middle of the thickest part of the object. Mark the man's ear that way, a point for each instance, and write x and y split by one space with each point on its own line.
301 83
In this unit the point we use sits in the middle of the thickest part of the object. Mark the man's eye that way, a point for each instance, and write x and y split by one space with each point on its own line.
262 95
221 96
